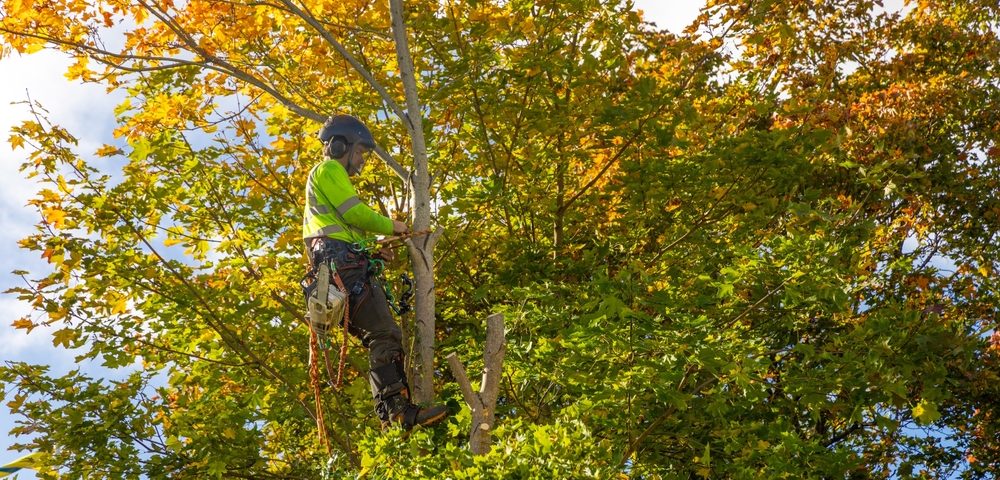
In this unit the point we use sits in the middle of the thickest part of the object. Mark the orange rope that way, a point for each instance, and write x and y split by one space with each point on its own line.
314 379
343 345
314 375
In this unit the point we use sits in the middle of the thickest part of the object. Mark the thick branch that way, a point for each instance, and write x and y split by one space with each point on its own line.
311 20
463 381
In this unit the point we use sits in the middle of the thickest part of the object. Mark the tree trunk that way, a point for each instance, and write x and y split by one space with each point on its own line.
421 248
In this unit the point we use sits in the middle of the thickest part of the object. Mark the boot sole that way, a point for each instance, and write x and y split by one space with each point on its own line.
435 419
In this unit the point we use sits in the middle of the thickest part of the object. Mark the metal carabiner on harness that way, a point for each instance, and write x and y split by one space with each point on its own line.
406 296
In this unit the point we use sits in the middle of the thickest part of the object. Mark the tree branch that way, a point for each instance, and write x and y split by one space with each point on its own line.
311 20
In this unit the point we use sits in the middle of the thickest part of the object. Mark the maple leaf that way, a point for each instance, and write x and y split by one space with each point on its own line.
24 323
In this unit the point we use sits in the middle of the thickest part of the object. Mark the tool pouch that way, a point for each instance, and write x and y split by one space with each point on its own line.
325 303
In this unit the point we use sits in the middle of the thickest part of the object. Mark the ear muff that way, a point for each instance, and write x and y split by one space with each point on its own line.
336 148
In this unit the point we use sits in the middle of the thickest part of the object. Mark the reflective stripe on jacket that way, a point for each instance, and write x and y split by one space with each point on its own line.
328 193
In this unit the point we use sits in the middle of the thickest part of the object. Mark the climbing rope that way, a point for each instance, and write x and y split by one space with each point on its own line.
319 344
343 344
324 437
403 236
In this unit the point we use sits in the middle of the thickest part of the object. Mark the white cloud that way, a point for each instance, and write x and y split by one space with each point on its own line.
78 107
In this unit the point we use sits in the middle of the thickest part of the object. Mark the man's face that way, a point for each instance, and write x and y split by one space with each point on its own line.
356 160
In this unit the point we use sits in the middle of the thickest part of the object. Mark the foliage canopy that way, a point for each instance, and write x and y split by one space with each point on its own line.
763 247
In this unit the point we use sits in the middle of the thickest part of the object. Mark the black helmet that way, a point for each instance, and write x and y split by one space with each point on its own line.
350 129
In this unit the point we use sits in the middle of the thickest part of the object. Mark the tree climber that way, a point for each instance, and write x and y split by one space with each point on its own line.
335 226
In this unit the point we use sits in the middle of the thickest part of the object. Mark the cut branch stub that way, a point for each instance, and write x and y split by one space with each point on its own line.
483 403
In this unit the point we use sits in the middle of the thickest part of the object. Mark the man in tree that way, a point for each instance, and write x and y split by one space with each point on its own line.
336 225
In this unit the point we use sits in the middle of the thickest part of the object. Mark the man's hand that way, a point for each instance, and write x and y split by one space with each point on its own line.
387 254
400 228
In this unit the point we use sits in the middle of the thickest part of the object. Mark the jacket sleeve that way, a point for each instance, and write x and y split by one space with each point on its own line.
336 186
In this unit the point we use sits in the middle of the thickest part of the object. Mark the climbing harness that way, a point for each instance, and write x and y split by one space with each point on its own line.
324 315
328 304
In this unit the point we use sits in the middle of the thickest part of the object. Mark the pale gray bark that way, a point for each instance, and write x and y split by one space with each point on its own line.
421 248
483 404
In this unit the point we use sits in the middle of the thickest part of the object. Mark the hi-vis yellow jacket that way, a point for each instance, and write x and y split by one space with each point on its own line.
333 209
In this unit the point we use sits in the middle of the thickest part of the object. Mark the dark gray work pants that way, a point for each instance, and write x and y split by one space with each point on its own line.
371 320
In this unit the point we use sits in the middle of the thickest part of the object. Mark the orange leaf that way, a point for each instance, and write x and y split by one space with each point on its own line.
24 323
107 151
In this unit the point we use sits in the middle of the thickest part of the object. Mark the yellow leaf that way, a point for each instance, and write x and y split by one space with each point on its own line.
78 69
674 204
59 314
173 236
54 216
202 248
49 196
17 401
64 337
120 305
16 141
926 412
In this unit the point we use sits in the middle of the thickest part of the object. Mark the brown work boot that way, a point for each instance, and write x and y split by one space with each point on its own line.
408 415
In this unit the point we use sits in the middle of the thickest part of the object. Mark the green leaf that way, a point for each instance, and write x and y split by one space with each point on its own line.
542 438
926 412
63 337
140 149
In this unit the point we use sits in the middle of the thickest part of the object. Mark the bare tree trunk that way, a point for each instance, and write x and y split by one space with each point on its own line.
484 403
421 248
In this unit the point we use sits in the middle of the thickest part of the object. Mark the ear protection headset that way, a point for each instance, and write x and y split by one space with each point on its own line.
336 147
341 132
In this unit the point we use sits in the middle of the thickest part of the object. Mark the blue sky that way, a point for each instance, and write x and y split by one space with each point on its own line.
87 112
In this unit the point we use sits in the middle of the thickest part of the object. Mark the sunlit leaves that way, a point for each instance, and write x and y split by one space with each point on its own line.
764 249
